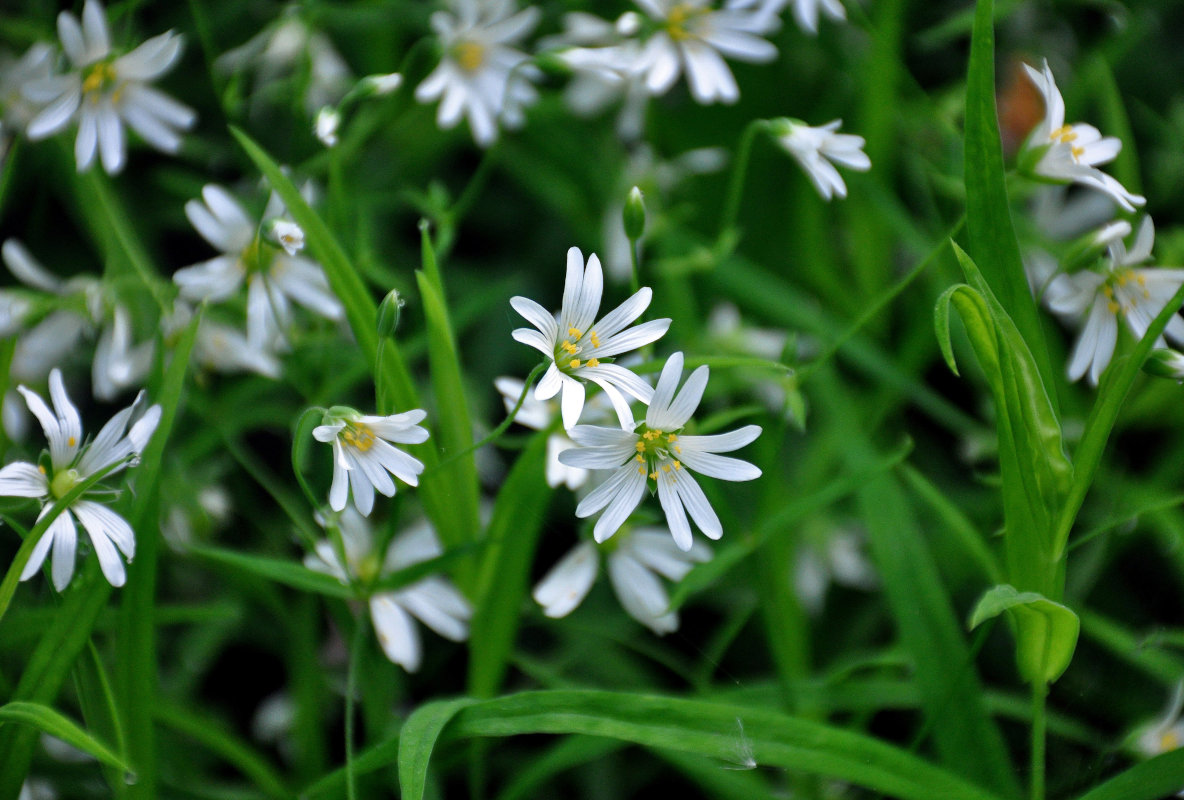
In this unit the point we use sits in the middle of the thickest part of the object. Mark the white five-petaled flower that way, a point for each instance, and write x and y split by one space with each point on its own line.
692 36
275 277
363 455
105 92
657 451
816 147
633 569
481 76
1119 291
432 600
579 345
1071 153
71 461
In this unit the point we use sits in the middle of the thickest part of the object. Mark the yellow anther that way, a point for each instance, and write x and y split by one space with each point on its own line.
574 363
569 347
1063 134
677 465
1122 279
593 362
358 435
1108 290
665 467
1141 280
1113 307
641 470
640 446
41 469
1077 152
654 475
672 437
676 448
592 337
639 458
574 332
71 442
469 55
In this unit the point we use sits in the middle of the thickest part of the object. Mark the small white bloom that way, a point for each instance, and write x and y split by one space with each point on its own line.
481 76
274 277
633 569
806 12
221 347
1071 153
815 149
105 92
691 36
1119 291
580 346
363 455
382 84
326 124
840 559
287 234
657 452
72 461
36 64
433 600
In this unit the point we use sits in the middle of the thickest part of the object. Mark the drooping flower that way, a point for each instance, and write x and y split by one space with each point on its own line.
363 455
481 76
1119 291
1070 153
634 566
657 452
71 461
275 277
816 147
106 91
581 347
692 37
433 600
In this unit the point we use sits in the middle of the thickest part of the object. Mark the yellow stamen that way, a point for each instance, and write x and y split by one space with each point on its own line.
71 442
641 470
569 347
1112 307
575 363
1077 152
653 476
677 465
672 437
1108 290
639 458
592 337
574 332
358 435
469 55
593 362
1063 134
665 467
676 448
640 447
41 469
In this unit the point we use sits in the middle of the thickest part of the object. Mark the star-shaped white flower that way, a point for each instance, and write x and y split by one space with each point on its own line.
816 147
1119 291
658 452
481 76
433 600
692 36
72 461
634 567
363 455
105 91
1071 153
579 345
275 276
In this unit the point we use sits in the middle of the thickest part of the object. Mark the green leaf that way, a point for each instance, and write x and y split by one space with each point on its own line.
47 720
1045 632
1035 470
1160 777
689 726
988 212
277 570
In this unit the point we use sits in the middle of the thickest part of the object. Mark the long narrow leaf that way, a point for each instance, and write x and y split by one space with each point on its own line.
47 720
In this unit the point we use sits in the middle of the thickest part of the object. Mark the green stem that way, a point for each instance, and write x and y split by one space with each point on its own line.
351 687
1039 694
739 170
635 257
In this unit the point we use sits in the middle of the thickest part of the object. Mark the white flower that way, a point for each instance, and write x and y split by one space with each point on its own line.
839 559
433 601
36 64
105 92
658 451
805 13
693 37
286 234
221 347
577 344
633 569
72 461
815 149
1120 291
1163 735
1070 153
481 76
274 277
383 84
363 455
325 126
539 415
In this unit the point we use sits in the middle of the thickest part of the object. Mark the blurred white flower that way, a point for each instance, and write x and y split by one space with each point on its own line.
580 348
105 91
481 76
15 109
839 558
1070 153
816 147
221 347
363 455
657 451
274 277
1163 735
634 566
382 84
71 462
692 36
325 126
433 600
806 13
1119 291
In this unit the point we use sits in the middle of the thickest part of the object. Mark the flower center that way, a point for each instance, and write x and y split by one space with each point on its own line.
657 451
1121 295
679 18
1066 135
358 435
99 78
568 352
469 55
63 482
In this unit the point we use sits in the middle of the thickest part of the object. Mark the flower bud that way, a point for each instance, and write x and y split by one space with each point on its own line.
325 125
634 215
286 234
1165 364
378 85
388 313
